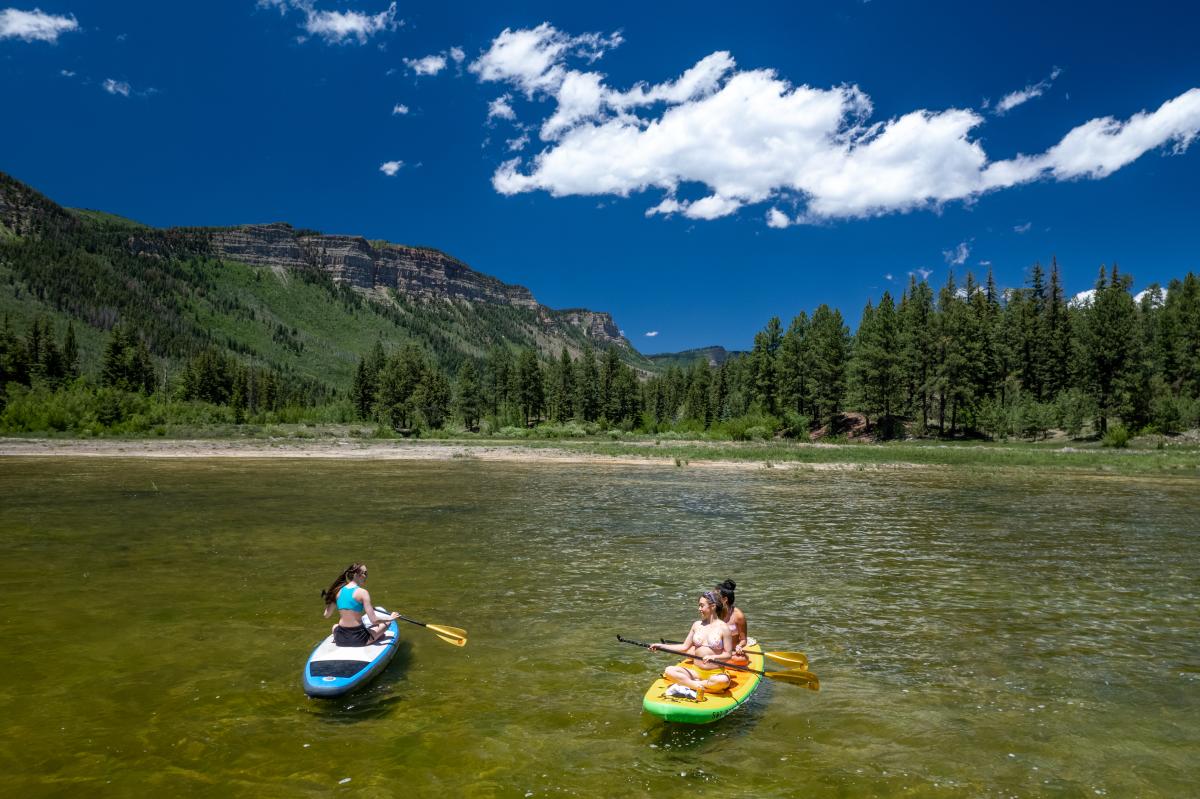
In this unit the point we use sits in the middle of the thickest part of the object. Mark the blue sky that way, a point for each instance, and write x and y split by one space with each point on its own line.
692 169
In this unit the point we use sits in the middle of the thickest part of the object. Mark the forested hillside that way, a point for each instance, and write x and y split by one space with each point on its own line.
100 272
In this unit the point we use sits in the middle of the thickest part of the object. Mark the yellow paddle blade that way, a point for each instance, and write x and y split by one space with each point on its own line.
451 635
797 659
805 679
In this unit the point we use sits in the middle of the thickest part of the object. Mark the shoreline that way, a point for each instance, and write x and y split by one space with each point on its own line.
736 456
358 449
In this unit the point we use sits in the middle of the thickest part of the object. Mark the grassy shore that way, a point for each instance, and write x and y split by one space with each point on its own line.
1145 456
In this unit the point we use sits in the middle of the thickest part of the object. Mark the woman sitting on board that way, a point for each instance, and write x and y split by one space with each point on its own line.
709 643
735 620
352 601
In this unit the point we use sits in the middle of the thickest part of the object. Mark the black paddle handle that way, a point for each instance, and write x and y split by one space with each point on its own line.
684 654
402 618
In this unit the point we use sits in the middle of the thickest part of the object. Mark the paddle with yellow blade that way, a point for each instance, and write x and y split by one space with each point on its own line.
796 659
451 635
805 679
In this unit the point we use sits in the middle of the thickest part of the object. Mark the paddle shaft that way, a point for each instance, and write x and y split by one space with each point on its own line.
685 654
797 658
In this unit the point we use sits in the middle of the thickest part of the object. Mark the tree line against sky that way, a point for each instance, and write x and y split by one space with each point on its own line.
964 359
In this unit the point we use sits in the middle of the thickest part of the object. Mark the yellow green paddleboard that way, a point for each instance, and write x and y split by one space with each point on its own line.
714 705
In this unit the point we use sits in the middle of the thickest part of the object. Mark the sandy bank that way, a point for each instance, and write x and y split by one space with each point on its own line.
357 449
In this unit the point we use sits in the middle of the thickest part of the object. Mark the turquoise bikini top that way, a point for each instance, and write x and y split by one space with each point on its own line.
346 600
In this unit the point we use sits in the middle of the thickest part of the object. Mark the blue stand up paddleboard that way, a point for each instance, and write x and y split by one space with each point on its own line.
334 670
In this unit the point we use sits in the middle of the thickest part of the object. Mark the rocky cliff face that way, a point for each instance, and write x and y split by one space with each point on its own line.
413 271
416 272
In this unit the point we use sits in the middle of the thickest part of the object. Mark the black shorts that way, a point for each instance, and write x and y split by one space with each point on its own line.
351 636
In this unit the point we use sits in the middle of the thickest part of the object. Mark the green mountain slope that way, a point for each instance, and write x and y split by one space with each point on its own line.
99 270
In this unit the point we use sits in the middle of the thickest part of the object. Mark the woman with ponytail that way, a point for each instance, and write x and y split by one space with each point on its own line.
351 600
734 619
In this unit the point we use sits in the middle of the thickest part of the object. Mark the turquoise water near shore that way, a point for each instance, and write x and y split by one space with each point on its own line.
977 633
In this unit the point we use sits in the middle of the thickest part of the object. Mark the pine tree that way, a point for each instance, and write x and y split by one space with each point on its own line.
431 397
696 405
1108 348
876 366
1181 334
398 382
362 391
951 374
764 374
587 386
498 379
530 392
830 352
70 353
468 400
1035 344
237 396
795 383
13 366
1058 336
917 345
564 389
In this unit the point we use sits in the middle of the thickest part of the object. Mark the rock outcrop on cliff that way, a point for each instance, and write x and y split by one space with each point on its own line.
415 272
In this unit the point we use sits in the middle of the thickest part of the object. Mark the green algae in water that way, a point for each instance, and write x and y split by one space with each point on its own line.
975 634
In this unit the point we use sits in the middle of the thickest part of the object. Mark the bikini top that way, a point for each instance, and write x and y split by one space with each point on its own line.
716 646
346 600
733 627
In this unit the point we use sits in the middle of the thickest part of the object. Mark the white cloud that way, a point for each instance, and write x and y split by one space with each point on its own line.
958 255
749 137
888 276
34 26
66 73
400 109
1013 99
668 206
338 27
457 54
777 219
922 272
1083 299
116 87
652 333
1156 297
390 168
429 65
500 108
713 206
531 59
1100 147
1022 228
518 143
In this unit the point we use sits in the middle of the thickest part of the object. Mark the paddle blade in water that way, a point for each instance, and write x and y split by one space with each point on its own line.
805 679
797 659
452 635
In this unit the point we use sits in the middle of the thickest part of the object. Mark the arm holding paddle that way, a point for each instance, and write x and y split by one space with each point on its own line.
369 610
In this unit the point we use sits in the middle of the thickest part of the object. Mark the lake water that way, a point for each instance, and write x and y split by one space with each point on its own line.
976 633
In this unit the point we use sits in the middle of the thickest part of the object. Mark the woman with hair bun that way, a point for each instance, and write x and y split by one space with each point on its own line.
351 599
734 619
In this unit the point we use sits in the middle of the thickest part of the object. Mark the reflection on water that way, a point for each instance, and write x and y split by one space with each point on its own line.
976 633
